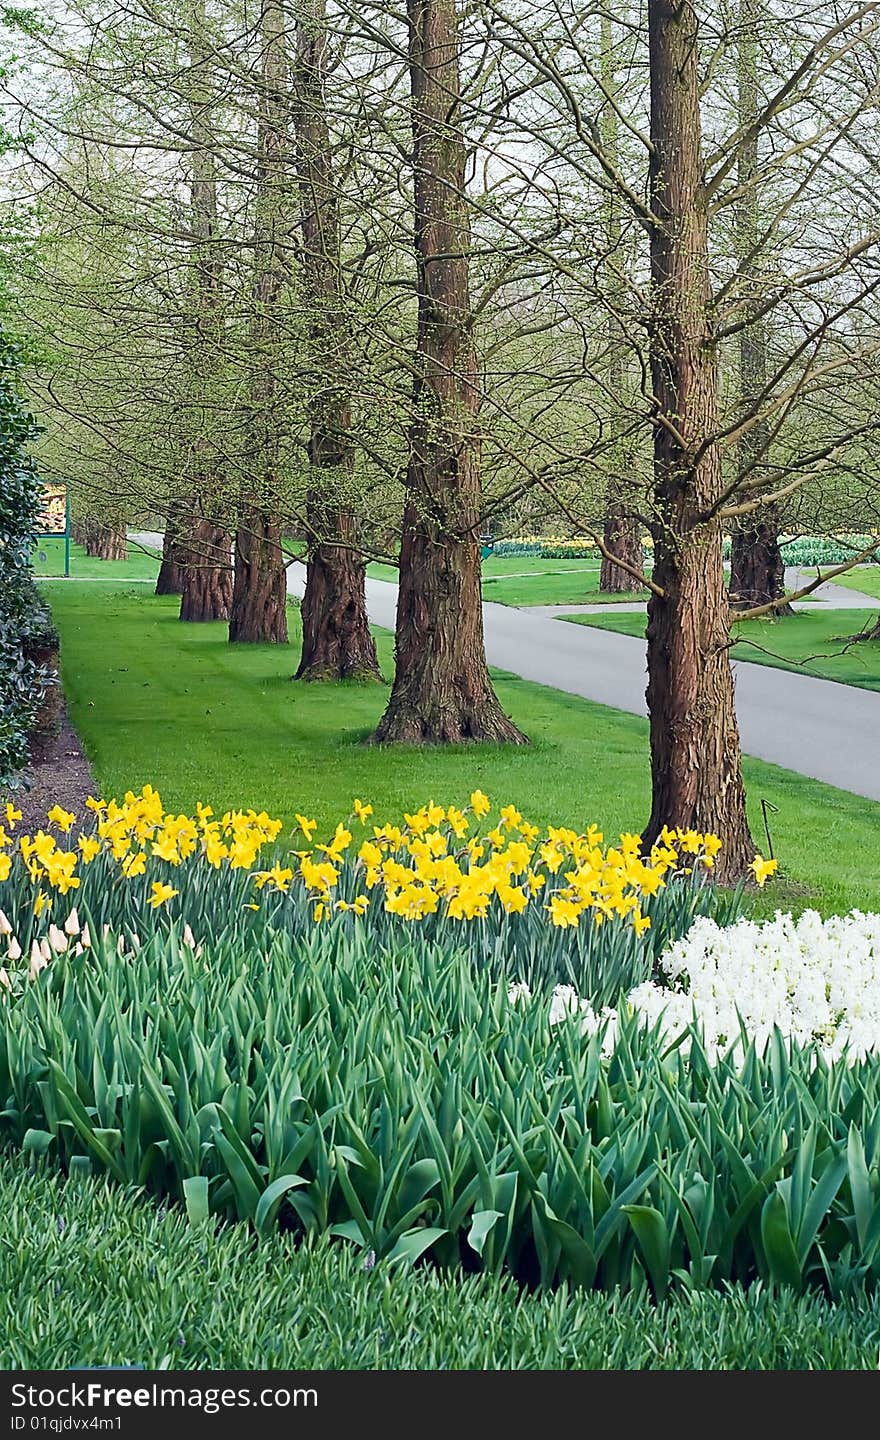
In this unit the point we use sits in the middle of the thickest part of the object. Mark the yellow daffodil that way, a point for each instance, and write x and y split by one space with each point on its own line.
480 804
12 815
308 827
88 848
5 865
60 818
563 913
762 869
160 894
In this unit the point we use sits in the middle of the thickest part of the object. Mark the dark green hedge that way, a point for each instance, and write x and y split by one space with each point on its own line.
21 680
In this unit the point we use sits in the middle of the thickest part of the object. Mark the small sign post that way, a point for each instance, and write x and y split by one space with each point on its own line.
54 518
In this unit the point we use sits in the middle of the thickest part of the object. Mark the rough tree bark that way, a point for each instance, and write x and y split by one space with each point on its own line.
622 532
622 536
336 640
442 690
696 763
207 577
337 643
106 542
258 608
169 581
259 598
207 591
757 567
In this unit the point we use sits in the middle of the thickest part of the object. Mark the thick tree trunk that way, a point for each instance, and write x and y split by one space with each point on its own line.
757 567
696 766
258 612
106 542
622 532
442 691
337 643
207 577
207 585
170 579
259 596
623 538
336 640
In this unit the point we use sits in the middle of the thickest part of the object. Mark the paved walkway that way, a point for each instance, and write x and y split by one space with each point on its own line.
827 597
827 731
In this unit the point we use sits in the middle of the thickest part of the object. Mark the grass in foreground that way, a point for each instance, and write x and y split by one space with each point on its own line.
178 706
112 1280
816 643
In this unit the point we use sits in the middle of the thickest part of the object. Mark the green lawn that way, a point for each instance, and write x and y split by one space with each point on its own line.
178 706
815 643
113 1279
531 580
142 564
865 578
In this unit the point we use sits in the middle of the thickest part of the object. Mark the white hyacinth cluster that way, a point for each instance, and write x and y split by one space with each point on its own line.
816 981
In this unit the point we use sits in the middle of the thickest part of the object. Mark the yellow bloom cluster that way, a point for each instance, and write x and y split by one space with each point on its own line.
435 863
441 860
131 834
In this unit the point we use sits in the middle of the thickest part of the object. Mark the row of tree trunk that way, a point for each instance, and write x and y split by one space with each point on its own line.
442 691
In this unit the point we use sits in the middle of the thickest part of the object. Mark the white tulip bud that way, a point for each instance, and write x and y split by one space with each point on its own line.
38 961
5 927
45 950
4 979
71 924
57 940
13 951
86 938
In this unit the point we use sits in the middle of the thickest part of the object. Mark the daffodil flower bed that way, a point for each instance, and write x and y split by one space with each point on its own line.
557 905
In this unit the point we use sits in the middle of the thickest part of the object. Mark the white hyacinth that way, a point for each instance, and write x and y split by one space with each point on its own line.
816 981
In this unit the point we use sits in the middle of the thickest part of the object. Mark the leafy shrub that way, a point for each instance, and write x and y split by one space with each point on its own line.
390 1094
21 681
279 1305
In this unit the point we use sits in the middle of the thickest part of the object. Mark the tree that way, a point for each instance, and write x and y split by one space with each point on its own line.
259 598
442 690
622 531
696 769
170 579
207 574
337 643
757 567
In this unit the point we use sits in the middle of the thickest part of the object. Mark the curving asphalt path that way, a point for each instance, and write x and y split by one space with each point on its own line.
828 731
